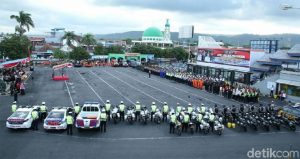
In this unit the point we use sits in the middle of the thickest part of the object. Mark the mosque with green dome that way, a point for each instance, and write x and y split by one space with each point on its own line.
155 37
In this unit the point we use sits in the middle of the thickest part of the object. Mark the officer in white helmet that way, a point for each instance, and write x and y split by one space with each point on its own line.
137 110
122 110
107 109
153 109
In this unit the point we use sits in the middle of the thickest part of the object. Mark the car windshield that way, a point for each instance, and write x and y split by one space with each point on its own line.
56 115
20 114
90 109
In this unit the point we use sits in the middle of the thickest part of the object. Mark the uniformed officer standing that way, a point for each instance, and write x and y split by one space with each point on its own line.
70 121
198 122
43 110
153 109
76 110
165 111
190 110
211 121
107 109
178 108
186 120
122 111
35 118
202 109
14 106
103 119
172 123
137 110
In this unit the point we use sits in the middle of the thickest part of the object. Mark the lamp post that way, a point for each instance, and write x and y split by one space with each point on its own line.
288 7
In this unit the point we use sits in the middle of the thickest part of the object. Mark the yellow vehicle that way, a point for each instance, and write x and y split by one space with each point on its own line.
290 112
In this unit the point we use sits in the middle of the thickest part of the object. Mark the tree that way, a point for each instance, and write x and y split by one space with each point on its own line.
57 53
99 50
128 41
79 53
69 37
180 53
114 49
88 40
14 46
24 20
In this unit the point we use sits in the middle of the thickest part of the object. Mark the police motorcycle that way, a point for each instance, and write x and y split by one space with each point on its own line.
204 125
252 121
115 115
243 122
273 121
226 114
157 116
144 115
262 121
218 126
290 124
178 123
130 115
192 125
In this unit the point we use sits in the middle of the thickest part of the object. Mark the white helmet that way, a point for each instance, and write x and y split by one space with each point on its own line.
107 101
43 103
76 103
202 104
153 102
177 103
137 102
121 102
190 104
165 102
15 102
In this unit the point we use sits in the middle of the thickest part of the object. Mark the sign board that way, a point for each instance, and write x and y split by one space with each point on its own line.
56 67
235 57
186 32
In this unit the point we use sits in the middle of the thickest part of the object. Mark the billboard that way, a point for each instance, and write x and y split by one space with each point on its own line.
186 32
235 57
269 46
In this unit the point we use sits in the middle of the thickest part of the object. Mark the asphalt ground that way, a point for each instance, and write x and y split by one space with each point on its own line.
123 140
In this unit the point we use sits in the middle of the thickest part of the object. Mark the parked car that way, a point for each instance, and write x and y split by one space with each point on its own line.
89 116
21 118
56 119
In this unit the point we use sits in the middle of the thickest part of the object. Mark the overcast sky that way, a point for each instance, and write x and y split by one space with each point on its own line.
113 16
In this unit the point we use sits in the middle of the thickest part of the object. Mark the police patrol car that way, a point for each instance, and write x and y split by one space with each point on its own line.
89 116
21 118
56 119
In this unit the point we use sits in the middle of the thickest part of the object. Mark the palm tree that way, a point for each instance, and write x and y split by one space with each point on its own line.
69 37
88 40
24 20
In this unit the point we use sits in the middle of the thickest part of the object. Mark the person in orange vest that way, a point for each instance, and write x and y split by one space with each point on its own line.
201 83
194 83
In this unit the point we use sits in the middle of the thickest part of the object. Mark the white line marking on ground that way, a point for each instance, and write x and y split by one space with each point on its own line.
91 88
69 94
156 88
133 87
113 88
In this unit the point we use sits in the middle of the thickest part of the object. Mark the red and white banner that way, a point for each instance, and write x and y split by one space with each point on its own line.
14 63
57 67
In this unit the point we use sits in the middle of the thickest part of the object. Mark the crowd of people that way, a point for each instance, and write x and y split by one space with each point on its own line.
12 80
216 85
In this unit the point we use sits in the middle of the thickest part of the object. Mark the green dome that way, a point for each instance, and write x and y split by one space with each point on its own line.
152 32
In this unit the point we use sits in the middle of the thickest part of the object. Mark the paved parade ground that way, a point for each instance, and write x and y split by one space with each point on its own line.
123 140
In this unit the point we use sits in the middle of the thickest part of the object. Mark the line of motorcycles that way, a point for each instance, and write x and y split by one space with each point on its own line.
258 117
204 125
